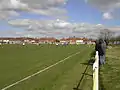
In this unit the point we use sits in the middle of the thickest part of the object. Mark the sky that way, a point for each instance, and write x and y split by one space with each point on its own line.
58 18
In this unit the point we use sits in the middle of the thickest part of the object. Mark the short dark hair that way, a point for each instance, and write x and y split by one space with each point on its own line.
101 41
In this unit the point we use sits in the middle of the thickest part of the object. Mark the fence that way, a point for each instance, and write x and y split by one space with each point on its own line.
96 72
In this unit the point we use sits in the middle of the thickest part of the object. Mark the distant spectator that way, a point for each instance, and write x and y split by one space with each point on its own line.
101 48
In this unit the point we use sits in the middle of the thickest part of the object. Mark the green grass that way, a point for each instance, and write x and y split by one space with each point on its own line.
18 62
110 72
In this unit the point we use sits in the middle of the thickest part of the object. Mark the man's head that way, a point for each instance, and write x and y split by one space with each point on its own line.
101 41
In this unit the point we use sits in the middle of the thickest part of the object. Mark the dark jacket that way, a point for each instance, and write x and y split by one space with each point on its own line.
100 47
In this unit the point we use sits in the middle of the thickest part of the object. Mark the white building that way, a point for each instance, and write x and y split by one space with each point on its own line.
79 42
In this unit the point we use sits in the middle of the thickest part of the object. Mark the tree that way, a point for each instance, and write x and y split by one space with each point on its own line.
106 34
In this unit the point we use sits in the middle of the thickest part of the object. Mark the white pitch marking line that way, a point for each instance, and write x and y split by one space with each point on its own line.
26 78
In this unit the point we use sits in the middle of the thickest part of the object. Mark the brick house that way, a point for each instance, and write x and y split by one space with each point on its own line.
75 40
50 40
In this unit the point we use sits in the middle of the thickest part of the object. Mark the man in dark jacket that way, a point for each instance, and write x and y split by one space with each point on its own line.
101 48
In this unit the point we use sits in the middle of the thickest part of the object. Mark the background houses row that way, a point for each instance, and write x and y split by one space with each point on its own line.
45 40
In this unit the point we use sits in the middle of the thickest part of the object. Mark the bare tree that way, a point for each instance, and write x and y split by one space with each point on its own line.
106 34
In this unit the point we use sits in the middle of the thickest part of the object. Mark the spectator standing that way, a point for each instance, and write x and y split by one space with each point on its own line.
101 48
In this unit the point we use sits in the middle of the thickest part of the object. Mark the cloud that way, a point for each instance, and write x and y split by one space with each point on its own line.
15 33
42 7
107 15
115 28
42 27
8 8
10 33
40 24
107 7
58 28
5 15
20 22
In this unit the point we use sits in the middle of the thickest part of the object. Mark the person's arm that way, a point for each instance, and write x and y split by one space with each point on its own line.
96 47
103 48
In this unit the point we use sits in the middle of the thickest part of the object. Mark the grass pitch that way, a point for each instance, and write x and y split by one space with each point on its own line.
18 62
110 72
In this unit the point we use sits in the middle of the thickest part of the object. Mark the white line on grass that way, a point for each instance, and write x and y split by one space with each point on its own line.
26 78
